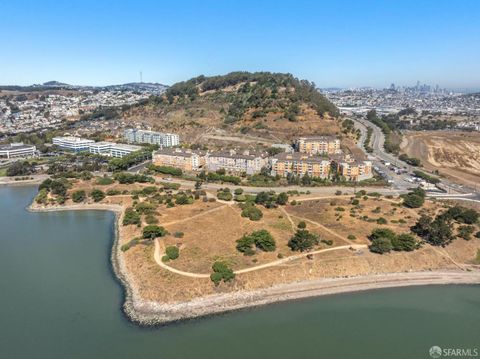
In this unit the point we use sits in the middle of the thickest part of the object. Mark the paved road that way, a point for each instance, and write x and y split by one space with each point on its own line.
401 182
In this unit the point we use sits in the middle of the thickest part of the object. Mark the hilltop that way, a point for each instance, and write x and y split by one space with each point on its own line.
260 105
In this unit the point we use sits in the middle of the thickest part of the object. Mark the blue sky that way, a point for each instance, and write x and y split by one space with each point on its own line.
334 43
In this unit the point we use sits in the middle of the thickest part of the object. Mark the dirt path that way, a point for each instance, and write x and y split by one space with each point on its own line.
159 254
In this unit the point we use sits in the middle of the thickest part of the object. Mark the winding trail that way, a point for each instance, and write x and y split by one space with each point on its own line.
158 254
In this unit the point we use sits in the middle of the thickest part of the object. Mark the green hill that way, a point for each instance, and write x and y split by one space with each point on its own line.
263 104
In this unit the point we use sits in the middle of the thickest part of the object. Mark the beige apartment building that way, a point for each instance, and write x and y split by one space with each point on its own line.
187 160
328 145
233 162
355 169
299 164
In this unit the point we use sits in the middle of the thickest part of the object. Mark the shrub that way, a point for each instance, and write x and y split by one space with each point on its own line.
355 202
79 196
224 195
404 242
221 272
240 198
302 225
381 220
131 217
413 200
302 240
381 245
351 237
238 191
97 195
253 213
178 234
328 242
130 244
113 192
104 181
153 231
466 232
151 219
338 193
172 252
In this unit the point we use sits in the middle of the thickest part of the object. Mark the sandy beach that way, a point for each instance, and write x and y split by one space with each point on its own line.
156 313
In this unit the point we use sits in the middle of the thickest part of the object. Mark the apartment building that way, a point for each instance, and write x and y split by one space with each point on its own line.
318 145
71 143
17 150
162 139
354 169
299 164
187 160
112 149
237 163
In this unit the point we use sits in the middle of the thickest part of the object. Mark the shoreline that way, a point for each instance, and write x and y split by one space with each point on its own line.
151 313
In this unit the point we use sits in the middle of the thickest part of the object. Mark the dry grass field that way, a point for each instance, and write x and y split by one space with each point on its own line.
454 154
210 230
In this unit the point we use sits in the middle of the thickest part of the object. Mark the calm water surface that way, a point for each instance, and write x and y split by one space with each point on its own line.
59 299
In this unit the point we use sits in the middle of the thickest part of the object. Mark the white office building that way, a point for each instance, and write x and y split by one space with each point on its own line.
162 139
112 149
75 144
17 150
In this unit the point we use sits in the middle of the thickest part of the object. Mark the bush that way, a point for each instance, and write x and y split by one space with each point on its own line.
253 213
113 192
79 196
381 220
302 225
238 191
172 252
338 193
355 202
404 242
104 181
466 232
151 219
131 217
97 195
381 245
240 198
413 200
351 237
262 239
153 231
130 244
221 272
178 234
224 195
302 240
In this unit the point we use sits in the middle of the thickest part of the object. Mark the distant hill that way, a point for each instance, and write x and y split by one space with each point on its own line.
261 103
153 88
54 84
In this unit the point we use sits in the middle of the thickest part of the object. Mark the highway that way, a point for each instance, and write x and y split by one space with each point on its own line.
402 182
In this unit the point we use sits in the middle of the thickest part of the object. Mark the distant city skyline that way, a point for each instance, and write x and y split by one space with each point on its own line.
347 44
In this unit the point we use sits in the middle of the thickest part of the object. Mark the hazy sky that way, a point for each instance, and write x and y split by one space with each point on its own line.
334 43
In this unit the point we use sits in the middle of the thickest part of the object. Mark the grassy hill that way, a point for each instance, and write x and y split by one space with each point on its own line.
266 105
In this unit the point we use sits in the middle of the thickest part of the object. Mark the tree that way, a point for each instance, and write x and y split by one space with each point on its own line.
302 240
381 233
153 231
413 200
20 168
466 232
282 198
172 252
221 271
78 196
131 217
97 195
302 225
381 245
404 242
440 233
422 227
253 213
262 239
